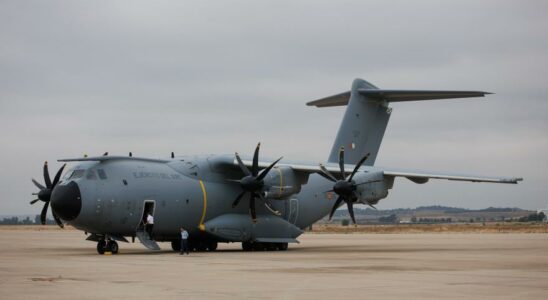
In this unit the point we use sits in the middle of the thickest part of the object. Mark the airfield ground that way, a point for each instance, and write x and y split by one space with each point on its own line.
59 264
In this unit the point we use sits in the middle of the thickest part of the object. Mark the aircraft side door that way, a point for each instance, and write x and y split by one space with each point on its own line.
293 210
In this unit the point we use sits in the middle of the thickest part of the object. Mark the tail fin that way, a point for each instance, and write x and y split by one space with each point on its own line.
367 116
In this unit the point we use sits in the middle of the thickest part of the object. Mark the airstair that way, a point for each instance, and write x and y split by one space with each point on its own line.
144 238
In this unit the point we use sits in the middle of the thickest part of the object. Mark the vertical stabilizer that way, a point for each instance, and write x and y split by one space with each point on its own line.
367 115
362 127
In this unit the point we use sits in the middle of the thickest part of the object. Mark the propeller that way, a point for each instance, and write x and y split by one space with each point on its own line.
253 182
344 187
45 193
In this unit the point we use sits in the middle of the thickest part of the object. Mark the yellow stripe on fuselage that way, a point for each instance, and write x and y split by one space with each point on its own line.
281 182
204 193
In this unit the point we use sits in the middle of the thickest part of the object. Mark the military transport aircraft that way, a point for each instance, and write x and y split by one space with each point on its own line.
226 198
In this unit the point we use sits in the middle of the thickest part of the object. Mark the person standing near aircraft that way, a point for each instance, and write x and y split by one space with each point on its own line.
184 241
149 225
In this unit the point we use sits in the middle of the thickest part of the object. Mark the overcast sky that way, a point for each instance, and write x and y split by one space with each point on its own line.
217 77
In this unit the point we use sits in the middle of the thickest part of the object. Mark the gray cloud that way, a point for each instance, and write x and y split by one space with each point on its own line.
215 77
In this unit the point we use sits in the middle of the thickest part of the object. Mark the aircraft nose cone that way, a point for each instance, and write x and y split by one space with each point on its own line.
66 201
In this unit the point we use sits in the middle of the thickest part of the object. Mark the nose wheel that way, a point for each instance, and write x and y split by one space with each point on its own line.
107 246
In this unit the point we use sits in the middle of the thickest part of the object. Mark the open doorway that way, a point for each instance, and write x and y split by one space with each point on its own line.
148 208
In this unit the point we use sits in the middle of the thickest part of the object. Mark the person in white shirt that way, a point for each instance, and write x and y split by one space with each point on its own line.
149 225
184 241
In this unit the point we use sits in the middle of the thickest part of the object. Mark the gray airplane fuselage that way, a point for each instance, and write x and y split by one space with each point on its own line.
187 192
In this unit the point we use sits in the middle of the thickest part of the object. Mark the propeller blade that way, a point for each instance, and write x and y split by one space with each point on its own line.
242 166
57 176
234 180
44 212
341 163
268 205
47 180
337 203
358 166
235 203
38 185
34 201
57 220
252 208
265 171
350 206
255 166
325 173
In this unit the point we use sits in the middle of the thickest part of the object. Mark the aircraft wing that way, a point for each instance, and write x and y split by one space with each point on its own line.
415 176
112 157
423 177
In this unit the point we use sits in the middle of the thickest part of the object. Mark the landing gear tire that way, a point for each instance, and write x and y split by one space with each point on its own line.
176 245
282 246
251 246
113 247
101 247
212 246
247 246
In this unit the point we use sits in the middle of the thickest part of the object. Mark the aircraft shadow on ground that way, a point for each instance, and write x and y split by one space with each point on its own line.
311 249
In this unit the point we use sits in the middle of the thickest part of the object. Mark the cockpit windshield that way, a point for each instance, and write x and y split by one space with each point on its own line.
76 174
80 171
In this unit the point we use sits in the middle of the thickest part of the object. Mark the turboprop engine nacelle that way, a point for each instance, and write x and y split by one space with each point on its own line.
372 187
281 182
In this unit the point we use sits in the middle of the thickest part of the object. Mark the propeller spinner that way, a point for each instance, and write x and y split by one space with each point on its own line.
253 182
344 187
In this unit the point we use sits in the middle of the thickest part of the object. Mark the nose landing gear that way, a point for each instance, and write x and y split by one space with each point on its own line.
107 245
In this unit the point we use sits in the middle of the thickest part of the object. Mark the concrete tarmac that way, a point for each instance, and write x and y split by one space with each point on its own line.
60 264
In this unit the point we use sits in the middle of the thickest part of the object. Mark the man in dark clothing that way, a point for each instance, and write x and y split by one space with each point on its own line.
184 241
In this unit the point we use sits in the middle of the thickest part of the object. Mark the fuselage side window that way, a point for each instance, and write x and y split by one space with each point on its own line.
101 173
91 175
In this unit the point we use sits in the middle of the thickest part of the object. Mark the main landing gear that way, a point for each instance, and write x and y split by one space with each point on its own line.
257 246
196 245
107 246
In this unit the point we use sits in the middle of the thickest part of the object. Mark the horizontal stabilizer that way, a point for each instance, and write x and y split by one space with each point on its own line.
395 96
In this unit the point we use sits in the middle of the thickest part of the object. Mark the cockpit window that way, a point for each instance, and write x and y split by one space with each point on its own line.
91 175
77 174
101 174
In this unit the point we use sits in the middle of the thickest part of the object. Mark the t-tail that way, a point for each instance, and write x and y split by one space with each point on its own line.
367 115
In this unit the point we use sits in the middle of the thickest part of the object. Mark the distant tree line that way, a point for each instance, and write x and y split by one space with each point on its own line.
536 217
431 220
391 219
407 211
25 221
